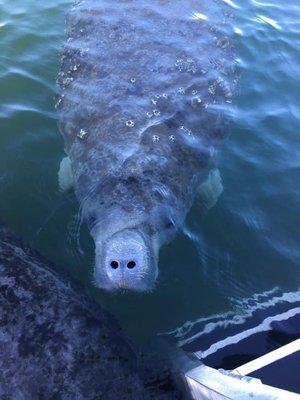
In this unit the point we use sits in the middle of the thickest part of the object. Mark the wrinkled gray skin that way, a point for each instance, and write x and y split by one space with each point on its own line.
56 344
144 85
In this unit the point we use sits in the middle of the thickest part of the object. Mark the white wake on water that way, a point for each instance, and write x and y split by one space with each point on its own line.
244 310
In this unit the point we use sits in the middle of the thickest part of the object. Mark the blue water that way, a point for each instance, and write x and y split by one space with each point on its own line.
248 243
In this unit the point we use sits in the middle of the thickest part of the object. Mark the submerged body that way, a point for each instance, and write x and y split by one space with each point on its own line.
143 93
56 343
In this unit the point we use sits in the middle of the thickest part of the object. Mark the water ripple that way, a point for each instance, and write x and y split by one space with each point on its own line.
248 241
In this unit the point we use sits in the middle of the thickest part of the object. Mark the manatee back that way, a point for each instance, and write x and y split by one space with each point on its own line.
144 87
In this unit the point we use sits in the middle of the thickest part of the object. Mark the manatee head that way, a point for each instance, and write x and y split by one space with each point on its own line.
125 260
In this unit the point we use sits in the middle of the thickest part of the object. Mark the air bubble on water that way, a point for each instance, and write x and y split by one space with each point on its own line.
181 90
58 103
212 89
156 113
172 138
186 130
157 96
66 81
155 138
199 100
165 95
149 114
82 134
194 92
130 123
153 101
132 80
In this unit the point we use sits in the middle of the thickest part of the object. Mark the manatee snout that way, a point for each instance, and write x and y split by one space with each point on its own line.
125 261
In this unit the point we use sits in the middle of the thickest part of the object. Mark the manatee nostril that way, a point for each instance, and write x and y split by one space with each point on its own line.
114 264
131 264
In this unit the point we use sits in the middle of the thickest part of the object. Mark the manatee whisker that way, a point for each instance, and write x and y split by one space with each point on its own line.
79 219
50 216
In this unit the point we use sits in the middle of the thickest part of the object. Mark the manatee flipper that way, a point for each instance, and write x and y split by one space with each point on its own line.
211 189
65 175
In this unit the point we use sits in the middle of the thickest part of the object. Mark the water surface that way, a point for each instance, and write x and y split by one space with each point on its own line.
248 243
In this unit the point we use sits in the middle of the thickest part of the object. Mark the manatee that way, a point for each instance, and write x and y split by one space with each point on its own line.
56 343
145 89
